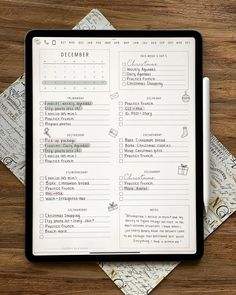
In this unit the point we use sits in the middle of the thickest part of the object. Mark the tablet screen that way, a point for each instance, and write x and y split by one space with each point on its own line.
114 156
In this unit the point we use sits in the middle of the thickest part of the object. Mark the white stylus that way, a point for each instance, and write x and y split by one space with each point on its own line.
206 141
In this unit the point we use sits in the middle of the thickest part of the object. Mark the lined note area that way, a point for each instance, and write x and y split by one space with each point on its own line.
154 150
74 70
74 113
163 70
73 150
173 188
72 189
74 225
153 227
142 113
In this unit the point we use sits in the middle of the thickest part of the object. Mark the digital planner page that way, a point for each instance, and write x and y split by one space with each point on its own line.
114 146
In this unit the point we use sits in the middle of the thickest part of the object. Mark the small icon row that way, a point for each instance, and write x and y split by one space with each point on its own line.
38 42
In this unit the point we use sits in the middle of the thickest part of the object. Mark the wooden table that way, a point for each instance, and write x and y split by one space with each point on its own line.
215 19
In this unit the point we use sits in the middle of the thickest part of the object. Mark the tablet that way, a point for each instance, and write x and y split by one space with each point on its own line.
114 148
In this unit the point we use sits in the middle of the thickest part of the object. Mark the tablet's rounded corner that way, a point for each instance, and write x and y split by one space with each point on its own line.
199 253
197 35
30 256
29 35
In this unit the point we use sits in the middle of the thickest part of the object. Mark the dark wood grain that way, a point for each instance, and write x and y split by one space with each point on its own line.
215 19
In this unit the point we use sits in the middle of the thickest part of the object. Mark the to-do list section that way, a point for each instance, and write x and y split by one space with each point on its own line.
153 70
114 146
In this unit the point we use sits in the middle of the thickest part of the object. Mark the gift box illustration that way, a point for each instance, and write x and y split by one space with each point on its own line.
183 169
112 206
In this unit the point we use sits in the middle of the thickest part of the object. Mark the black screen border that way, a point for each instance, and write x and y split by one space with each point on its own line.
29 143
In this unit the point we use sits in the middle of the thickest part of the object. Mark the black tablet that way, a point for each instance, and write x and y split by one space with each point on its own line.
114 156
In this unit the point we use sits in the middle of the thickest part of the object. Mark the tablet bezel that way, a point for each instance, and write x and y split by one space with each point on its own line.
29 142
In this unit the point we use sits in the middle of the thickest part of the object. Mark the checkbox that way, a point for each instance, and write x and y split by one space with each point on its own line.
41 188
121 145
120 102
123 69
41 113
120 124
120 161
121 177
124 74
41 177
41 194
123 84
120 139
121 198
41 226
41 237
121 156
41 231
41 145
120 182
41 221
41 199
41 183
41 118
121 188
41 140
123 63
41 151
41 108
41 161
120 118
121 151
120 114
120 109
121 194
123 79
41 156
41 215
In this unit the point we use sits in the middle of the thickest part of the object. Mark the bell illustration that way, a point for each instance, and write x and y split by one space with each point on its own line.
186 97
